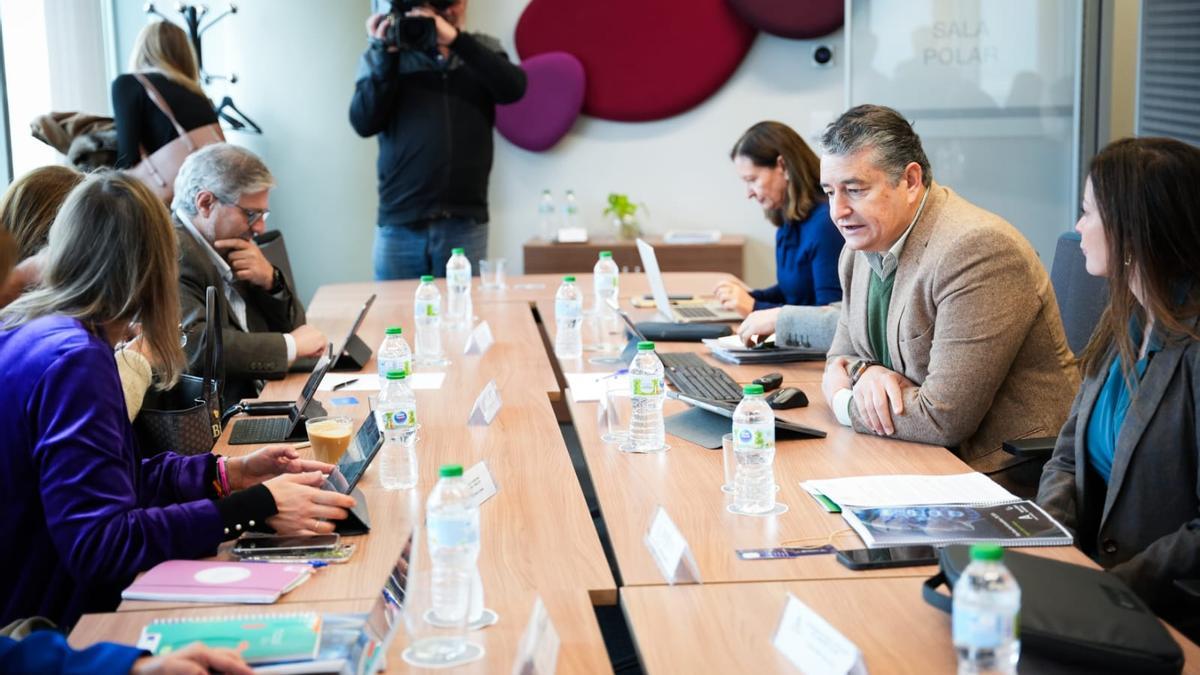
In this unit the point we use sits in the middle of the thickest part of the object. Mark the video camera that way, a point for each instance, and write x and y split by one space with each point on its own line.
414 32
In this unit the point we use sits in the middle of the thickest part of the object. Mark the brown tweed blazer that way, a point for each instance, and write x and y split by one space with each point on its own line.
974 323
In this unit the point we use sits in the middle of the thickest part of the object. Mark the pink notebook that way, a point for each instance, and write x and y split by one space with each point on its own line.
215 581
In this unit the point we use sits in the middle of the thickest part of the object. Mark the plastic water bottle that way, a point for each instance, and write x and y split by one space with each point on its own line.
452 524
987 602
606 287
458 290
646 433
396 417
427 314
754 451
571 216
547 209
568 314
393 353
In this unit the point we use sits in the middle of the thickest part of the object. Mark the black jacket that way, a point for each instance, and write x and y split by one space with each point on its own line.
434 119
140 122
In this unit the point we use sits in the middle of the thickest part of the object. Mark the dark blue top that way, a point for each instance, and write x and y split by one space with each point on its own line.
806 263
47 651
1108 414
81 515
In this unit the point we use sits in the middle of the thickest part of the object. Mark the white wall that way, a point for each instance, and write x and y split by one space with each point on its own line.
296 64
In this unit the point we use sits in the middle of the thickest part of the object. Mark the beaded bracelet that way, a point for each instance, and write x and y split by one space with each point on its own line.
224 477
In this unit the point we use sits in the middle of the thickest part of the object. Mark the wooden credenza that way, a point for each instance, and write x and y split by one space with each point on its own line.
542 257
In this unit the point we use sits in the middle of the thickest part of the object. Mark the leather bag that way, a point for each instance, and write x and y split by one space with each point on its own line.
186 418
158 170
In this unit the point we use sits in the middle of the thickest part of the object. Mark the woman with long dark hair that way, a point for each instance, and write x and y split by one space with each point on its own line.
1124 474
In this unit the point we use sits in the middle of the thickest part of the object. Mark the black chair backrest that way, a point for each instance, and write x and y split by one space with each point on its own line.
275 251
1081 296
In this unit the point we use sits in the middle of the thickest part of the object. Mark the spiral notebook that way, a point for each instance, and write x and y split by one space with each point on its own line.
1017 523
261 638
213 581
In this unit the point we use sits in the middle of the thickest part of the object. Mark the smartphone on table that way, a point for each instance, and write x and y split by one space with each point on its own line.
898 556
249 545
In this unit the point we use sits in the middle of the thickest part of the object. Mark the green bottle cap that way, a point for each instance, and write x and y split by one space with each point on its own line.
987 552
646 346
457 251
569 278
605 254
395 375
450 470
427 278
752 390
393 330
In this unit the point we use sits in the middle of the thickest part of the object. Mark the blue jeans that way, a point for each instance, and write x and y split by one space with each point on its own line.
408 251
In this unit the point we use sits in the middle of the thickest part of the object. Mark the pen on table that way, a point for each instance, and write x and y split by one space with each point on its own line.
343 385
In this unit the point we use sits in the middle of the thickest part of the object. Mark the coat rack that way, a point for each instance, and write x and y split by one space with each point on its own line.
194 19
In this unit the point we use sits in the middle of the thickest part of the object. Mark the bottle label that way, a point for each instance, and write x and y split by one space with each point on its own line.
566 309
427 308
445 531
395 365
754 436
458 277
982 629
647 386
606 282
392 420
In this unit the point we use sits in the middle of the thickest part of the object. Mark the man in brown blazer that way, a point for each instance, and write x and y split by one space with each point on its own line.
221 202
949 330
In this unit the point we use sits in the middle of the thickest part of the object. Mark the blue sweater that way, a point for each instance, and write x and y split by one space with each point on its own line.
806 263
81 514
47 651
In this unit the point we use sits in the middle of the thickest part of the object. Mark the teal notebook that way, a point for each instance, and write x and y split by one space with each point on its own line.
261 638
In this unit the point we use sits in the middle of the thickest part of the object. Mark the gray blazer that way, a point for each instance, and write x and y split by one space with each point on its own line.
1145 527
250 356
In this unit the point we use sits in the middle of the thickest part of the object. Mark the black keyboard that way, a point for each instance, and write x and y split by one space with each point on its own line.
688 373
689 312
260 430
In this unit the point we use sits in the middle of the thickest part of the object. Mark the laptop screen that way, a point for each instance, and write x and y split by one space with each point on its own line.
357 457
654 276
309 390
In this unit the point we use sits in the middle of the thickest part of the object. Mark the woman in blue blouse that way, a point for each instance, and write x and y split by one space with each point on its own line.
1124 474
82 516
783 175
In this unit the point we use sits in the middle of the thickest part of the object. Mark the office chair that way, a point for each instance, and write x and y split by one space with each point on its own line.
1081 300
275 251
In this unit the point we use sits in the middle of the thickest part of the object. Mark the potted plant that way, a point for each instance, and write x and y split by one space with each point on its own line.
624 216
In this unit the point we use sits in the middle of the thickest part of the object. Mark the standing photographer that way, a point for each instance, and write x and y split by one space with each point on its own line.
430 90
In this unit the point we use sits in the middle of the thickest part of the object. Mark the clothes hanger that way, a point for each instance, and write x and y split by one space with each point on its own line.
236 119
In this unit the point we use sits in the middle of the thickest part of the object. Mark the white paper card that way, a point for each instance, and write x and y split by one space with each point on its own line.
487 404
480 339
480 483
538 652
572 235
592 386
370 381
813 645
670 550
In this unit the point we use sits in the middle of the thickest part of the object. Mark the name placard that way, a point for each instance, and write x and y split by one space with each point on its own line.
480 483
813 645
538 652
670 550
480 339
487 404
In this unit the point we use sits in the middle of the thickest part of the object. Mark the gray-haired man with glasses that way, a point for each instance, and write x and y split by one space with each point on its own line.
220 205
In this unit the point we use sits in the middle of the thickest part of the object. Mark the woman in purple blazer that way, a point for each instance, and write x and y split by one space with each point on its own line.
82 514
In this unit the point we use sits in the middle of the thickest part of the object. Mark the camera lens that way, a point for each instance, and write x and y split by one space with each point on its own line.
822 55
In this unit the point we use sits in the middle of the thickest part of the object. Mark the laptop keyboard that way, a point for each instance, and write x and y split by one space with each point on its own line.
688 373
690 312
259 430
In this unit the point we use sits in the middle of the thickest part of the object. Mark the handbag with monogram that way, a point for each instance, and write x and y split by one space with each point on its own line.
186 418
158 170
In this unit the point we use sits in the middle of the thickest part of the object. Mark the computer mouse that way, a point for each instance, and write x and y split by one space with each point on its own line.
786 398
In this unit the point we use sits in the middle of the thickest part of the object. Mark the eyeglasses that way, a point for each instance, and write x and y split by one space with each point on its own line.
252 215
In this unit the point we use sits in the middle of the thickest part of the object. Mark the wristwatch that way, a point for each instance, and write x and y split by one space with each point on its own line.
277 284
858 368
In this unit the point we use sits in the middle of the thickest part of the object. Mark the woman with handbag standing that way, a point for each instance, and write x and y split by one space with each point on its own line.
83 514
160 111
1124 474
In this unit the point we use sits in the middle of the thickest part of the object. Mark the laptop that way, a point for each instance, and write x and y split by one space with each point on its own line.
279 429
357 457
353 353
708 312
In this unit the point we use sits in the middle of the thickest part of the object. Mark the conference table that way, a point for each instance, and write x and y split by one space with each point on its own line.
538 536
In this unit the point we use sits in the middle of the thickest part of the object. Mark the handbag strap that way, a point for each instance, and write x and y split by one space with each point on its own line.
213 346
157 99
929 591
